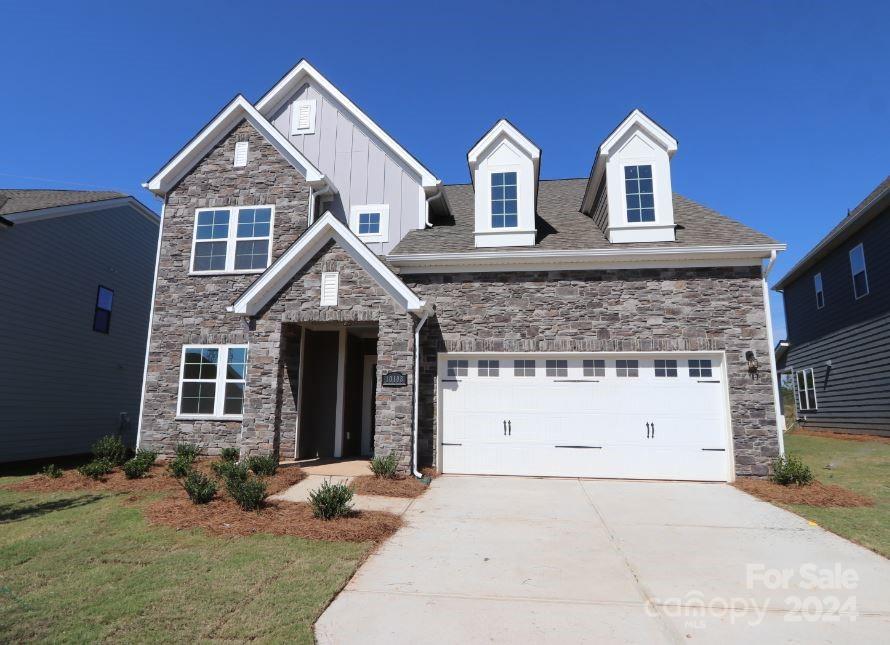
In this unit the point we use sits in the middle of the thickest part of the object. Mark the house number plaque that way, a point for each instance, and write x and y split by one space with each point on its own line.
395 379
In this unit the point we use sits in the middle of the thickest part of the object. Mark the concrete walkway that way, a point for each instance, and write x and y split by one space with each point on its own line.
300 493
513 560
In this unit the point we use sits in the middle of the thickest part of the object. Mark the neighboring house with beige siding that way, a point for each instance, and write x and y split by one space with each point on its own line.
74 308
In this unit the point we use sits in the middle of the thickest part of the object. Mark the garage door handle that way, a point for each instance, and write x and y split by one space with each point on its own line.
653 429
451 444
714 449
510 428
505 427
647 429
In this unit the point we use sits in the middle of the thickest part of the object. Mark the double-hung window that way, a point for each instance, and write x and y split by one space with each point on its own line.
212 380
820 294
504 203
232 240
639 194
805 384
857 268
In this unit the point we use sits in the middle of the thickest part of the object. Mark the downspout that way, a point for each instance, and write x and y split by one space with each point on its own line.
426 314
777 400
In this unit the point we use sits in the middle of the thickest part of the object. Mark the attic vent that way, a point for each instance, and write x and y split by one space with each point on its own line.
241 154
303 117
330 286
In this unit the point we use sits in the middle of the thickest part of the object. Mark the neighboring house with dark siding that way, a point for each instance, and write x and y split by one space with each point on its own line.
321 294
837 311
74 308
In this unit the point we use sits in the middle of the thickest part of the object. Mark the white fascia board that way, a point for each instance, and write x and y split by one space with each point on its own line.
506 129
219 127
273 99
88 207
304 249
656 257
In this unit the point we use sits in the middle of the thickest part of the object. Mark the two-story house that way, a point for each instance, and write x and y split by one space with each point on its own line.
321 293
837 312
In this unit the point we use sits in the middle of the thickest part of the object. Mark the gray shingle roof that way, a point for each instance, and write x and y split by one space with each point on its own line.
561 225
21 200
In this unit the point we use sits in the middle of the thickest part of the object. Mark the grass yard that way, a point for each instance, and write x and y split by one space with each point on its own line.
85 567
861 466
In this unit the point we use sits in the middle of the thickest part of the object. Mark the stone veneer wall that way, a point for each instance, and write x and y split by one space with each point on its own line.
192 309
717 309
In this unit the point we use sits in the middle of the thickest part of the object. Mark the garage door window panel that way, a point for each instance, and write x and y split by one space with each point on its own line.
489 368
557 369
700 368
627 368
594 368
458 368
523 368
665 368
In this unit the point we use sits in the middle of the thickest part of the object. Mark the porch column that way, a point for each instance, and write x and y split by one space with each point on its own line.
341 394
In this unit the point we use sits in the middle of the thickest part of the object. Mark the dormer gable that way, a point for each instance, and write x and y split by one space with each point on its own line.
504 168
632 172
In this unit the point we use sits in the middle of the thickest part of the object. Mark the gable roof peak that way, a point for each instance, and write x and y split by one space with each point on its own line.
502 128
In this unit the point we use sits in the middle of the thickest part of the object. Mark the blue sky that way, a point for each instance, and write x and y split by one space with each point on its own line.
782 110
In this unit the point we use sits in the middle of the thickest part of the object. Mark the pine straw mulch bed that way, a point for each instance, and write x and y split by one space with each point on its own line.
843 436
815 494
399 487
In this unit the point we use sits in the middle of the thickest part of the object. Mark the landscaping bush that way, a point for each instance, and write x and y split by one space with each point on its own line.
136 468
52 471
227 470
180 466
385 466
96 468
248 494
200 487
111 449
188 451
263 465
148 456
330 501
789 470
229 454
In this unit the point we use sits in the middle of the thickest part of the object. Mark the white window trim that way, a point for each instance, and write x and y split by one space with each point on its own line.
502 170
232 240
294 116
625 222
327 299
221 380
556 368
457 367
805 394
820 289
383 209
864 270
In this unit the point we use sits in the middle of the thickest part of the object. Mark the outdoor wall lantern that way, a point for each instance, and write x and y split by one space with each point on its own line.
753 365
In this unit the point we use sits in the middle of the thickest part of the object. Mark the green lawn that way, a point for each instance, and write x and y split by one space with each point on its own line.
862 466
79 567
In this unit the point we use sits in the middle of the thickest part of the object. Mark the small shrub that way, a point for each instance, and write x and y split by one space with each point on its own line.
330 501
248 494
136 468
385 467
147 456
263 465
229 454
111 449
200 487
180 466
52 471
96 469
227 470
789 470
189 451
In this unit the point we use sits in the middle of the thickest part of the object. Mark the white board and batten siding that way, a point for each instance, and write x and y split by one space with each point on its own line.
360 166
577 425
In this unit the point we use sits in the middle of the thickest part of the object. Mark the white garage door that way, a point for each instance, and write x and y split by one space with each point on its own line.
618 415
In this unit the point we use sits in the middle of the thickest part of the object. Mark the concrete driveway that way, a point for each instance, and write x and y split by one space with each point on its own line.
503 559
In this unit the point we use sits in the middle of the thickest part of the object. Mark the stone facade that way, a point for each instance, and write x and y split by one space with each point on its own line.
717 309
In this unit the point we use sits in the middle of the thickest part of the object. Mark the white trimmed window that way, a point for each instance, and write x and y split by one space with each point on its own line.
627 369
700 368
805 387
232 240
302 118
857 268
666 368
639 194
504 200
595 367
212 380
820 294
458 368
489 368
557 368
370 222
523 368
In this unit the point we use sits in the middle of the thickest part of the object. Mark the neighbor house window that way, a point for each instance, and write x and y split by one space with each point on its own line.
595 368
523 368
805 383
102 315
700 368
458 368
857 268
627 368
232 239
370 222
665 368
639 194
820 294
558 368
489 368
503 200
212 380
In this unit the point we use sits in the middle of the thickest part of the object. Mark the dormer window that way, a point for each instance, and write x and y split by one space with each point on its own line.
504 212
639 194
